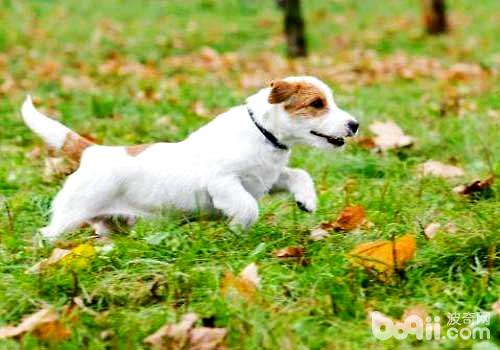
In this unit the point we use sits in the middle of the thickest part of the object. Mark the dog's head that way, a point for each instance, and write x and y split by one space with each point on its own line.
304 112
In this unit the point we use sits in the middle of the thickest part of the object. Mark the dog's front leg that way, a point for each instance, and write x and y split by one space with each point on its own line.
300 184
229 196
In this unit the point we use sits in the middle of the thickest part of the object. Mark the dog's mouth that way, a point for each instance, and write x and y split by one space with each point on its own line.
336 141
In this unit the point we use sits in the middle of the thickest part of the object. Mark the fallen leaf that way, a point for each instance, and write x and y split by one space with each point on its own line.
52 331
79 83
48 69
200 109
245 284
384 257
435 168
475 187
290 252
77 258
173 336
389 135
294 253
80 258
205 338
250 274
417 310
318 233
350 218
450 227
44 324
184 335
431 229
496 307
54 258
81 304
365 142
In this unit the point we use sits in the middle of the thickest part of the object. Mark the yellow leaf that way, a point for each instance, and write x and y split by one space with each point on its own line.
384 256
80 257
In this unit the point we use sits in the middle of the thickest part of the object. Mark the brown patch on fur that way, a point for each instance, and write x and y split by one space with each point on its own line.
281 91
74 145
136 150
301 99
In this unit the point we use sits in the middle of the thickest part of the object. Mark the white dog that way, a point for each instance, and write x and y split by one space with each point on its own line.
225 166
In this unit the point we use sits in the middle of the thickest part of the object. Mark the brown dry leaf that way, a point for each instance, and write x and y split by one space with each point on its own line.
464 71
250 274
474 187
52 331
48 69
432 167
350 218
431 229
496 307
210 58
56 256
294 253
290 252
8 85
318 233
205 338
389 136
183 336
379 255
365 142
245 284
417 310
78 83
173 336
44 323
200 109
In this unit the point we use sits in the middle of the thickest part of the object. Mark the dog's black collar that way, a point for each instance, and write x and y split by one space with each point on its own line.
267 134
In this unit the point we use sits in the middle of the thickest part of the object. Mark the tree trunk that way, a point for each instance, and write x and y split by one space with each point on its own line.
435 16
294 28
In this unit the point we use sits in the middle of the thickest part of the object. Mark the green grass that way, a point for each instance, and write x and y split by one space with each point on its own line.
320 306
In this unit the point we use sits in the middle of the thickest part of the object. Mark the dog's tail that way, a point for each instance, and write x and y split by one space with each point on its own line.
56 135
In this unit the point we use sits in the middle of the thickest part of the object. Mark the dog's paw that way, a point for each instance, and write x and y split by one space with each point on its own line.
48 236
303 207
307 204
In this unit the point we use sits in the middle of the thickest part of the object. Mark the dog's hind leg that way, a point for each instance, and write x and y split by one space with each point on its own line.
229 195
103 226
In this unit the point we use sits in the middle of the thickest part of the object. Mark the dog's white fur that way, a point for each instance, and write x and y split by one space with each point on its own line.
225 166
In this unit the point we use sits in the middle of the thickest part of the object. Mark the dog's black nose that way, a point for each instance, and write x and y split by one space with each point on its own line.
353 126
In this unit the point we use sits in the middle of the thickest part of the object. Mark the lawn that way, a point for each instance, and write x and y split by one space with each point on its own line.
130 72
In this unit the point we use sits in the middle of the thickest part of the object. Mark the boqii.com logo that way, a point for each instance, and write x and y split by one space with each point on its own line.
470 325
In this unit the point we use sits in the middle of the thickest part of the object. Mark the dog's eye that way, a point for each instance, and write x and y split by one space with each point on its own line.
317 103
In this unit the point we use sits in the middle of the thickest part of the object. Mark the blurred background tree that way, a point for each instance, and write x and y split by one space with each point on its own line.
435 16
294 27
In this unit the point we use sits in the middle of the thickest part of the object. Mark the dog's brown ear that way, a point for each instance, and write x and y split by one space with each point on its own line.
281 91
